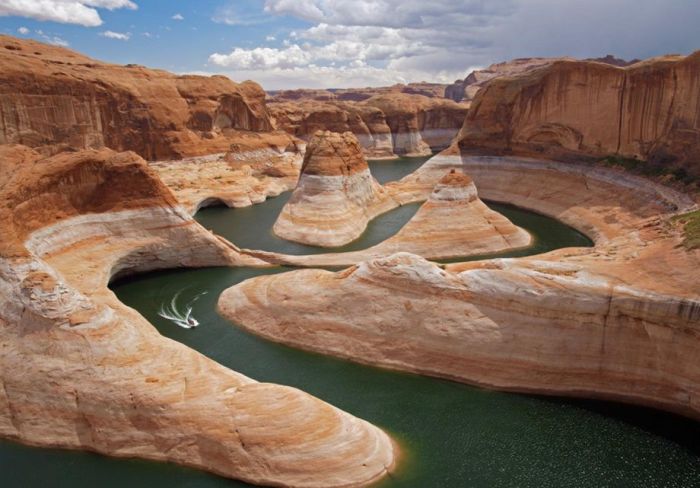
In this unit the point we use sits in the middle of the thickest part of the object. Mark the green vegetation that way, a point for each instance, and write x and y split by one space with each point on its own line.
650 169
691 229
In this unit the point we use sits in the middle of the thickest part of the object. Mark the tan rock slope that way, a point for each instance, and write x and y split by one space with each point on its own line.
616 321
649 110
336 195
78 369
52 98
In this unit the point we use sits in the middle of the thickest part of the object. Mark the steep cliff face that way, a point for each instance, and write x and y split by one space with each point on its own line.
466 89
419 125
52 98
303 119
649 110
336 195
386 125
80 370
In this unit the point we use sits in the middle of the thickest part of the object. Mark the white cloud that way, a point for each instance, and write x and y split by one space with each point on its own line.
372 42
120 36
270 38
177 17
56 41
82 12
23 30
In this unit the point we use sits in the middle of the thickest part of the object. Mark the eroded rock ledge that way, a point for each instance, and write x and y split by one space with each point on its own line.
618 321
78 369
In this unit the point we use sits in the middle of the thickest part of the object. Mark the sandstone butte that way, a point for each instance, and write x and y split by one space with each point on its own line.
452 223
387 124
78 369
336 195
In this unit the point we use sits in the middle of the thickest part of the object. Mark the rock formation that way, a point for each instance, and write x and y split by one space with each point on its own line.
616 321
649 111
336 195
304 118
452 223
388 124
432 90
259 165
466 89
80 370
52 98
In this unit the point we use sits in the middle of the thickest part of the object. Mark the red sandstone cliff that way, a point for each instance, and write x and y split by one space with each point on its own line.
649 111
53 98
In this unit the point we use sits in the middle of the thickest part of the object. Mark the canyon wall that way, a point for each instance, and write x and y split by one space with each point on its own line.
386 124
466 89
619 321
53 99
649 111
80 370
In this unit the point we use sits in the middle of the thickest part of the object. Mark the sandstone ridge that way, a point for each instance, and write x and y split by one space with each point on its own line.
617 321
52 98
78 369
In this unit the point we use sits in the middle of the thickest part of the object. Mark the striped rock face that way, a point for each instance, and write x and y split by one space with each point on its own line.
80 370
336 195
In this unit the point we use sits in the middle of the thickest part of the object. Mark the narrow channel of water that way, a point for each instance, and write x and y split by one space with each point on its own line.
453 435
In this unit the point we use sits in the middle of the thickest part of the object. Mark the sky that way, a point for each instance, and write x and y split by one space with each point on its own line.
284 44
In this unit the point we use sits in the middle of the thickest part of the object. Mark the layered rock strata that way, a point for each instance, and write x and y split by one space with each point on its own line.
304 118
52 98
616 321
452 223
569 109
466 89
336 195
266 166
80 370
386 125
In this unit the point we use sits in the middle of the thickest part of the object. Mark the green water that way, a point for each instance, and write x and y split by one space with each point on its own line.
452 435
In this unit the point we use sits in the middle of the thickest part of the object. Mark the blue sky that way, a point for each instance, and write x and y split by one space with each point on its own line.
338 43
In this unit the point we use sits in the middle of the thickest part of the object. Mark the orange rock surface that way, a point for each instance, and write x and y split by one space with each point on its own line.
52 98
649 110
336 195
386 124
78 369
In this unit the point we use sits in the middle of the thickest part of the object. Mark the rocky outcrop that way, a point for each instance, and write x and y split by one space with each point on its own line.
258 166
616 321
80 370
303 119
648 111
432 90
386 125
52 99
452 223
466 89
336 195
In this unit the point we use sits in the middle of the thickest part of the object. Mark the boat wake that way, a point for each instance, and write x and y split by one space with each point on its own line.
172 312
